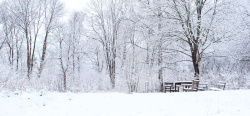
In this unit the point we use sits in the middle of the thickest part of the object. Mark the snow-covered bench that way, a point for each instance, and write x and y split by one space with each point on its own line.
191 87
220 86
170 87
203 87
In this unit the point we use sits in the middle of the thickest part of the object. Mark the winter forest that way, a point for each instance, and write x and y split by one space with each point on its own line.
123 45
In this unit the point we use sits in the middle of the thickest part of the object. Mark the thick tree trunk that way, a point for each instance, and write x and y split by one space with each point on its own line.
160 77
196 66
196 55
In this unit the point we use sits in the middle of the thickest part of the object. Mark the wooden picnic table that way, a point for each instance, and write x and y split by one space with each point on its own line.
182 82
187 85
203 86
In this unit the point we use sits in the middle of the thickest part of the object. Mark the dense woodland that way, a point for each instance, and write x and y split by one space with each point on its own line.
123 45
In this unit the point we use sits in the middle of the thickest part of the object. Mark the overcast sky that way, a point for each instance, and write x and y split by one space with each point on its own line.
71 5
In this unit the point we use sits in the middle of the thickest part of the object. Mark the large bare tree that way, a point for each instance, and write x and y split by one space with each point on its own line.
197 19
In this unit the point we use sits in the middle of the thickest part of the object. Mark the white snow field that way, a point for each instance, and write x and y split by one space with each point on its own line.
209 103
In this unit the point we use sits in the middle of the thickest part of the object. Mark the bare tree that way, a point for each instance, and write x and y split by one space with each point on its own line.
53 10
197 19
157 27
76 32
64 55
1 38
12 37
70 55
106 19
29 18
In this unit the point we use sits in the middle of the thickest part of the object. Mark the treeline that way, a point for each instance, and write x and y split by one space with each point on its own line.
123 45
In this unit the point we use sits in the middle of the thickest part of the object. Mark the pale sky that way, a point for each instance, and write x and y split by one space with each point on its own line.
72 5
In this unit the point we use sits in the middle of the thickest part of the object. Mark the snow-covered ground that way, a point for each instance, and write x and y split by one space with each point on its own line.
216 103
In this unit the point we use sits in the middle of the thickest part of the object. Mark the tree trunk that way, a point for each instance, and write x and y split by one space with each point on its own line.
28 52
64 82
160 72
43 54
196 66
196 55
